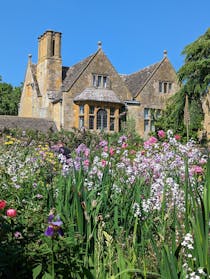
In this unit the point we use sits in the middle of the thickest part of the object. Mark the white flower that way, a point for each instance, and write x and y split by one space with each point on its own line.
200 270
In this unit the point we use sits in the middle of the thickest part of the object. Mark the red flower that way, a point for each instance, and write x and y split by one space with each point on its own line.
2 204
177 137
11 212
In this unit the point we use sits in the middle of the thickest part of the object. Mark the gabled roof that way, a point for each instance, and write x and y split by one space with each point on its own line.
75 71
98 95
35 83
71 74
136 81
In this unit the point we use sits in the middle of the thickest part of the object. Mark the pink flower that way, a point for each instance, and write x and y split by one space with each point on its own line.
161 134
3 203
150 141
18 235
87 152
177 137
111 151
11 212
202 161
86 162
124 145
106 148
103 163
197 170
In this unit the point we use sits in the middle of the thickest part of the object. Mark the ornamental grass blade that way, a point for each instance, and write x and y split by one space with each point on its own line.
36 271
169 264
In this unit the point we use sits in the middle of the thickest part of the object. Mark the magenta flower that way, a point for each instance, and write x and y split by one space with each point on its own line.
161 134
54 227
152 140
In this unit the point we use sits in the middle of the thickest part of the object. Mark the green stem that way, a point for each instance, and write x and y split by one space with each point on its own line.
52 261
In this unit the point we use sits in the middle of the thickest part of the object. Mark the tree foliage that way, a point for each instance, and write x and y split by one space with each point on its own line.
9 98
194 77
195 73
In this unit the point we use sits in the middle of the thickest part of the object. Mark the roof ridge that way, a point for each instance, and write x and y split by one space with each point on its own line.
148 79
143 69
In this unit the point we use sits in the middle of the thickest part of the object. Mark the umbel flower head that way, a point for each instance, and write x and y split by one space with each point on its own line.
54 226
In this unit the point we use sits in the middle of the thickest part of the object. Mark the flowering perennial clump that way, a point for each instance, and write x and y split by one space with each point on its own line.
160 163
188 247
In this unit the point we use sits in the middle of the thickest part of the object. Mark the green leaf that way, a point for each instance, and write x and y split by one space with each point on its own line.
47 276
36 271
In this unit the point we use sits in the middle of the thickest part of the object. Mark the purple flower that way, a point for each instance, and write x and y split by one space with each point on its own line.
49 231
122 139
54 227
81 148
103 143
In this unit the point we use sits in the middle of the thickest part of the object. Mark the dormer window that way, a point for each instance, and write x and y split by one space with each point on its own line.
99 81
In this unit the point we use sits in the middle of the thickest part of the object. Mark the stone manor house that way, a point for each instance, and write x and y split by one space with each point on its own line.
91 93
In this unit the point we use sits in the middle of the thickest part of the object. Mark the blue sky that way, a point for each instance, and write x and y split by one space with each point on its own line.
133 33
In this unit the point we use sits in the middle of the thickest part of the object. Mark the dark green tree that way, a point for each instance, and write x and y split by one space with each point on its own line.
9 98
194 77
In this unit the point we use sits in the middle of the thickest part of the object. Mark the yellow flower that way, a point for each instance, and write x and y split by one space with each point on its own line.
9 142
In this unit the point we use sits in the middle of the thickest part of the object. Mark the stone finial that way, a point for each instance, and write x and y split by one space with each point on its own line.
29 58
99 44
165 53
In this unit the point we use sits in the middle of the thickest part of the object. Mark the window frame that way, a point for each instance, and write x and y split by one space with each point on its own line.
99 80
81 116
101 119
165 87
